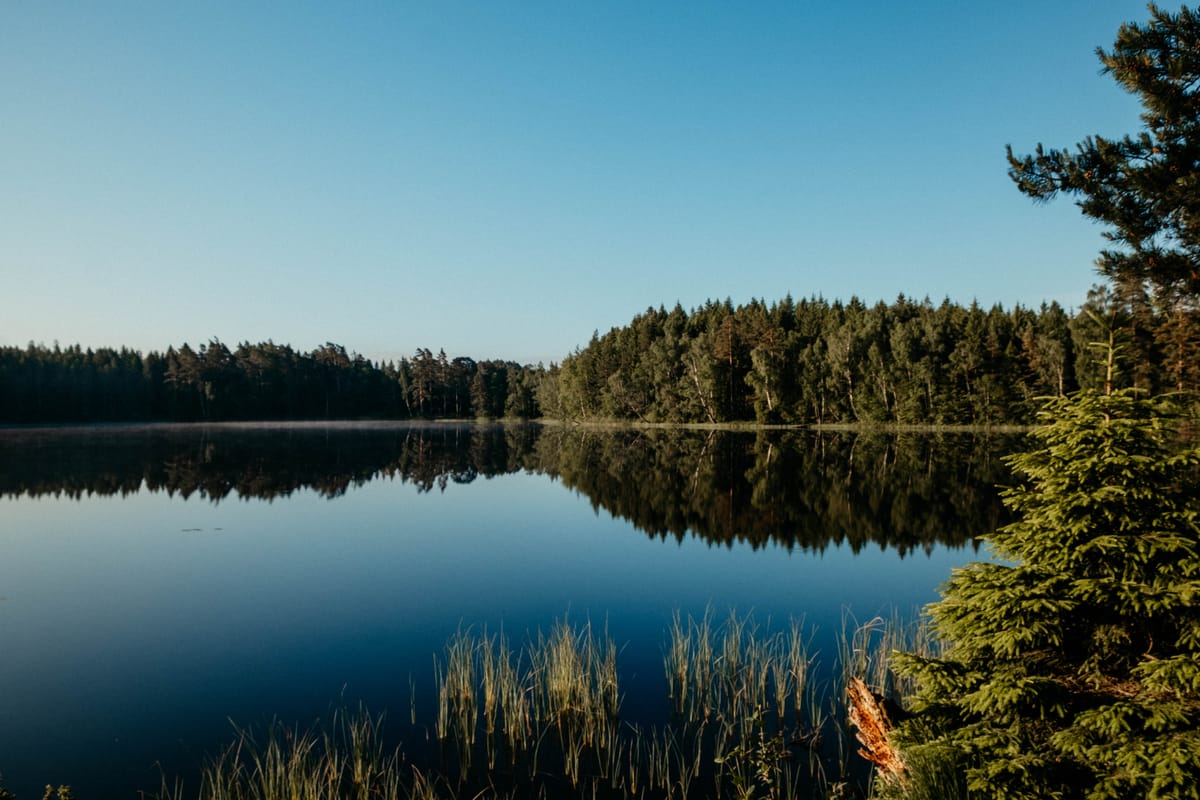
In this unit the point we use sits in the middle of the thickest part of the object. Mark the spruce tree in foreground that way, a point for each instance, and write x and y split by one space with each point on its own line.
1073 660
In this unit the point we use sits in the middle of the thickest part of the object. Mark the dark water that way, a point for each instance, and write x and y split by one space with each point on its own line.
157 583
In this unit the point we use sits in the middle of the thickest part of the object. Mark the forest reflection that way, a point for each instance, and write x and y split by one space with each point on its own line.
796 489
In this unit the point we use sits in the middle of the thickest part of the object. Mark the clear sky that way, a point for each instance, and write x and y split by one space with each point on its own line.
501 178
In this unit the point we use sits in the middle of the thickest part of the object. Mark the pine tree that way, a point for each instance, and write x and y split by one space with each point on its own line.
1145 188
1073 661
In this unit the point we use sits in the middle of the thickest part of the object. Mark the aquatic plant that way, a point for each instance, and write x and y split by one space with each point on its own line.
346 762
740 703
744 720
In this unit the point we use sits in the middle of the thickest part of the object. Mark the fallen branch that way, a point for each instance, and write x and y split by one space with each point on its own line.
868 716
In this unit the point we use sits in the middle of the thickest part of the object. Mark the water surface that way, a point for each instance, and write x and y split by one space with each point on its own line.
158 582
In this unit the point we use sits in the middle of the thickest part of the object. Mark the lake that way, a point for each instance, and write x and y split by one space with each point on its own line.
159 584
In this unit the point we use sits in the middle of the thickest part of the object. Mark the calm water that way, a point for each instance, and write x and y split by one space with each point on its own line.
157 583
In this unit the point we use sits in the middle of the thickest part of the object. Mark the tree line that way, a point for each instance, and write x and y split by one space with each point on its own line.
808 362
263 381
907 362
787 362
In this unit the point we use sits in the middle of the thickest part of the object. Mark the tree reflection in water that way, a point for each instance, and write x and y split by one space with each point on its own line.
798 489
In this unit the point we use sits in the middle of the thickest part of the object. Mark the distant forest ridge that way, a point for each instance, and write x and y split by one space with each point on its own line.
808 362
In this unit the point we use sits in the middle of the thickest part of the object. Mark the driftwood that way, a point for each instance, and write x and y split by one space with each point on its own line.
868 716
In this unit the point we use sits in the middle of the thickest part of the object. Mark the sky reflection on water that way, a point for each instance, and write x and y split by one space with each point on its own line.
136 627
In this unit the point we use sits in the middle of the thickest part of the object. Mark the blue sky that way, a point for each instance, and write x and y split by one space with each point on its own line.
499 179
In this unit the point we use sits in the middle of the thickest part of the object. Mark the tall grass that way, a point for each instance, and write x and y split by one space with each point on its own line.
558 698
745 718
865 650
345 762
549 715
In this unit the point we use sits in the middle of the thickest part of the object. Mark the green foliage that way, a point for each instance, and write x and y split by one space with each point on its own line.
905 363
262 381
1073 667
1143 187
932 773
908 363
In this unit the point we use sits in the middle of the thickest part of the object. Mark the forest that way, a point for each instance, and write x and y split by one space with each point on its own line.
793 363
913 363
264 381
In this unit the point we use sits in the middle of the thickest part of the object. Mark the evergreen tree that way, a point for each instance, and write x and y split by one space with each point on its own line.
1145 188
1073 661
1178 339
1050 350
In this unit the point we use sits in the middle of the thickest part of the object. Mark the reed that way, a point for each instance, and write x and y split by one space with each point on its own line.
932 773
736 692
870 685
283 763
865 650
676 661
564 681
748 716
515 705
